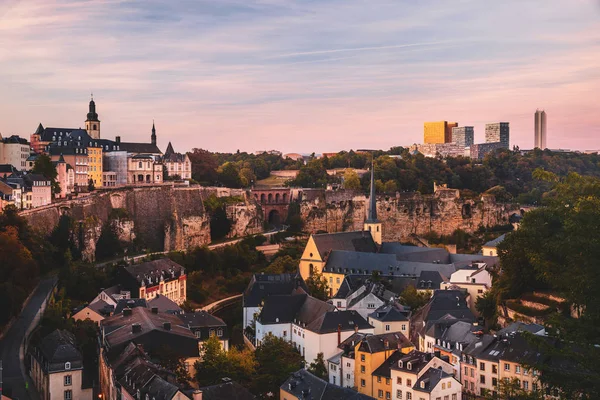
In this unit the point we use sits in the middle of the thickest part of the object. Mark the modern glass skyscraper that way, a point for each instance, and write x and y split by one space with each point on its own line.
540 129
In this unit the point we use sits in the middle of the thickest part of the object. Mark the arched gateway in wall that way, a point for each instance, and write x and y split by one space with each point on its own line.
274 202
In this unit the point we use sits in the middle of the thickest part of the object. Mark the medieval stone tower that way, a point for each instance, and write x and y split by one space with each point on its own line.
92 123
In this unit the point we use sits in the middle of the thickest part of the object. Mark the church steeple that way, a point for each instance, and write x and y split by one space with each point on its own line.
92 123
372 224
153 137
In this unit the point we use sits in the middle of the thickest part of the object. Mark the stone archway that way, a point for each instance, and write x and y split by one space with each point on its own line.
275 218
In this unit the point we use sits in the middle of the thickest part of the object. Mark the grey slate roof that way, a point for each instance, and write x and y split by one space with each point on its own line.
391 313
429 380
264 285
519 326
344 320
150 272
60 347
352 261
384 370
417 361
149 379
147 148
361 241
495 242
304 385
129 303
447 302
383 342
164 304
228 390
430 280
200 319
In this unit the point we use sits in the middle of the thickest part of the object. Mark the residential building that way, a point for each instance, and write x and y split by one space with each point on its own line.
311 325
370 353
480 150
15 151
36 189
303 385
341 366
438 149
57 368
115 167
123 334
451 338
444 305
438 132
95 167
498 132
366 299
491 247
77 158
178 165
419 375
143 168
12 193
464 136
150 279
204 325
391 317
476 280
226 390
539 129
263 285
65 178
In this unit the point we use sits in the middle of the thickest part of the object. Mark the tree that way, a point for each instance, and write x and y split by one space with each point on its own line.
282 264
43 165
276 360
168 358
351 180
229 175
318 368
511 390
204 166
413 299
91 186
390 187
317 286
108 244
486 306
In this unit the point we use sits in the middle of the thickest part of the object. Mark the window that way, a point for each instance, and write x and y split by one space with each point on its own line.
472 373
408 383
408 396
68 395
403 327
482 379
339 303
387 381
362 357
481 366
378 379
454 396
380 394
517 369
479 291
68 380
362 383
494 369
337 280
362 369
534 386
387 327
388 395
348 365
472 385
284 333
466 371
494 382
347 376
370 305
519 382
399 393
525 385
507 367
67 365
211 333
399 380
443 386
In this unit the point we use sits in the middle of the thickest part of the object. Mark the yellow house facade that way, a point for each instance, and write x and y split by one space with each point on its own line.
95 165
311 260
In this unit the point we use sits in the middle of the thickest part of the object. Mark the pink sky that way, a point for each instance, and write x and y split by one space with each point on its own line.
301 76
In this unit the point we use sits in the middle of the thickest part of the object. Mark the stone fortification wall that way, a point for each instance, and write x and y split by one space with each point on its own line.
404 214
160 218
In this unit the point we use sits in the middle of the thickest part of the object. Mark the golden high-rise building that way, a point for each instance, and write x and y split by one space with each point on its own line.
438 132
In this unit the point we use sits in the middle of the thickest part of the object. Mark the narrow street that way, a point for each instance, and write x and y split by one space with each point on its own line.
10 345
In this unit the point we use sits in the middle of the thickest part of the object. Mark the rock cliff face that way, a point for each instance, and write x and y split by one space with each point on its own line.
402 215
165 218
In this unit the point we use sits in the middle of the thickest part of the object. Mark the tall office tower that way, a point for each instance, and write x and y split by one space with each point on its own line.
540 129
498 132
448 135
438 132
463 136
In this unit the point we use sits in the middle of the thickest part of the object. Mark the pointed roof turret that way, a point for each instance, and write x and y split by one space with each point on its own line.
372 215
153 137
169 150
61 159
40 129
92 114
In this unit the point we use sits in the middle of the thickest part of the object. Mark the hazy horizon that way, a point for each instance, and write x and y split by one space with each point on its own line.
301 76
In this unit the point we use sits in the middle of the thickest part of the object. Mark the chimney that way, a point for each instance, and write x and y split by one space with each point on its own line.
339 334
127 312
154 310
167 326
136 328
197 395
118 139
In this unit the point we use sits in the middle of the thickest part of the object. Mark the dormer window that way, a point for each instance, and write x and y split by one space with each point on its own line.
408 365
422 385
67 365
219 332
400 364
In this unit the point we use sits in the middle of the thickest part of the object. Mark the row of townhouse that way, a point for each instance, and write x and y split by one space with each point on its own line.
25 191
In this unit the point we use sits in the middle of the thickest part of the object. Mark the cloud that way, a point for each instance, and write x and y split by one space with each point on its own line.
300 75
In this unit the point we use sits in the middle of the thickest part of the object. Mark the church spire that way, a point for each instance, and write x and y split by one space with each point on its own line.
153 137
372 216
